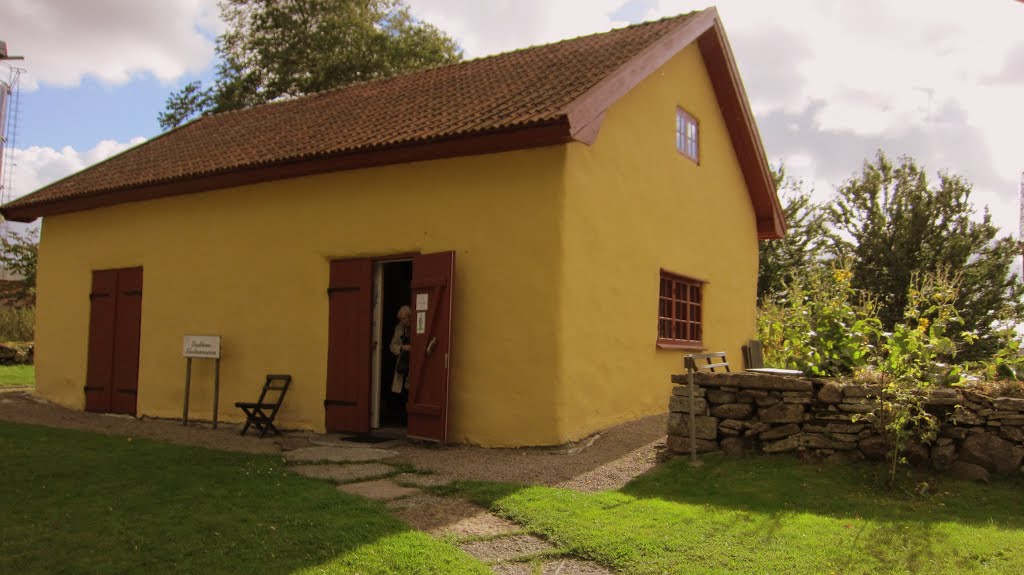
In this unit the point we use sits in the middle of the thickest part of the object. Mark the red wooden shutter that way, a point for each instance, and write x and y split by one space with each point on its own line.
102 314
429 359
127 332
347 407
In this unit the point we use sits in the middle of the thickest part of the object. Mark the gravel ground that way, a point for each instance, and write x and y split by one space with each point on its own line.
605 461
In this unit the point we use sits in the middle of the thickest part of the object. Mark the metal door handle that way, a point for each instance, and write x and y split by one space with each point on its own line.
430 346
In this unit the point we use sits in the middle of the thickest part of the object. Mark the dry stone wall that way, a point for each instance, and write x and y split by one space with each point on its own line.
741 413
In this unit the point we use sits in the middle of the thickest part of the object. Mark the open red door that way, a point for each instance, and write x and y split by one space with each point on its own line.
347 406
427 408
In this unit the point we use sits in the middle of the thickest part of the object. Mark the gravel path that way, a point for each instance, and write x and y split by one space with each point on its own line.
606 461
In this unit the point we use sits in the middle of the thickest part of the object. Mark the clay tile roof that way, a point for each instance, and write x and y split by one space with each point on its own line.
544 95
521 88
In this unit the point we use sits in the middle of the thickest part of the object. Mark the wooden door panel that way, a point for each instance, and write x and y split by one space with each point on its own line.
102 314
127 333
347 403
429 360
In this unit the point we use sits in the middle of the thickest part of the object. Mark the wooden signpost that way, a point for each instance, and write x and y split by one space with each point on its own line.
203 347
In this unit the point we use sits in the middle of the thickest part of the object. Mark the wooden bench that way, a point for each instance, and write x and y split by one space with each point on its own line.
262 412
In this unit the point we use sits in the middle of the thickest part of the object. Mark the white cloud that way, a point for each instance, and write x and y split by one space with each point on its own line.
483 28
34 167
113 40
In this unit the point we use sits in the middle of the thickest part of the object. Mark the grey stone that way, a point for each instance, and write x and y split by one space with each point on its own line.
943 456
916 453
684 390
338 454
985 412
349 472
1008 404
733 410
783 445
857 407
678 444
782 413
831 416
681 404
798 400
1014 434
968 471
831 392
953 432
729 432
1017 420
815 428
844 437
719 396
706 427
382 489
730 389
732 424
735 446
767 401
750 395
779 432
506 548
754 381
943 441
845 427
994 454
874 447
818 441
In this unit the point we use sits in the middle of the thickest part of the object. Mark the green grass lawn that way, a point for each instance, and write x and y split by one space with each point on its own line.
769 515
82 503
17 375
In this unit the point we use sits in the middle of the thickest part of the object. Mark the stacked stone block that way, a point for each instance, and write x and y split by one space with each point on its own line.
741 413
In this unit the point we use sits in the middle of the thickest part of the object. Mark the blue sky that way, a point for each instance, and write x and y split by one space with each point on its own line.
830 81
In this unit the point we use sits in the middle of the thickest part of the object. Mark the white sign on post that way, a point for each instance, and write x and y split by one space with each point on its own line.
421 301
204 346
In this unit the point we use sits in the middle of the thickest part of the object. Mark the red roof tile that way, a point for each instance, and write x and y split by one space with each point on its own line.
542 95
526 87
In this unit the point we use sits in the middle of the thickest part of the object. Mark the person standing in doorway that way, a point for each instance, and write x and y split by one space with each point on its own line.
400 348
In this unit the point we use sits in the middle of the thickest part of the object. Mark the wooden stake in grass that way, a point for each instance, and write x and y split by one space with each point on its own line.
691 366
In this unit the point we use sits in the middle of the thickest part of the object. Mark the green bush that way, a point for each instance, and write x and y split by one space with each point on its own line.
17 323
819 324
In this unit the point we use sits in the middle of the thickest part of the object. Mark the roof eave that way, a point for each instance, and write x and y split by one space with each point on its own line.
542 134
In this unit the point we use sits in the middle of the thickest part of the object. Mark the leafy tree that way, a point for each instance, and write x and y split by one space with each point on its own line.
896 225
283 48
805 237
19 253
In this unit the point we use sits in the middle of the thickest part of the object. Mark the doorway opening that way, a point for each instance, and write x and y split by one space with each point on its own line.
392 289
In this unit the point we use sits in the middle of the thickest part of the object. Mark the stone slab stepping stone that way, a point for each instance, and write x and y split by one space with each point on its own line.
506 548
422 480
382 489
512 569
338 454
290 443
443 516
340 473
574 567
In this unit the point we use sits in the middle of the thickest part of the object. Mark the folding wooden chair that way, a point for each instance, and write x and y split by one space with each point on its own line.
262 412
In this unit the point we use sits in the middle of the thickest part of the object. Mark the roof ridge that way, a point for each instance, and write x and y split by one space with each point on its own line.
401 75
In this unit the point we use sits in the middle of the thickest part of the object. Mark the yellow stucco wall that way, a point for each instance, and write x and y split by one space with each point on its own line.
251 264
633 206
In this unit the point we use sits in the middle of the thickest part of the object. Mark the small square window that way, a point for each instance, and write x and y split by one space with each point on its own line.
687 135
680 311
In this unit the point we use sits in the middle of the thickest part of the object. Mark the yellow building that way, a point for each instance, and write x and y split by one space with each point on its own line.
565 221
